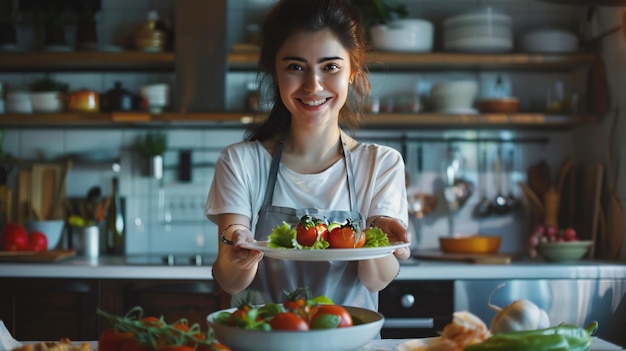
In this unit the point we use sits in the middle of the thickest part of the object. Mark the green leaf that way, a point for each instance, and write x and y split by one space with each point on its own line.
375 237
283 236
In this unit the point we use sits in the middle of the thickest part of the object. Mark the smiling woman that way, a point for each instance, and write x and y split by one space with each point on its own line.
300 162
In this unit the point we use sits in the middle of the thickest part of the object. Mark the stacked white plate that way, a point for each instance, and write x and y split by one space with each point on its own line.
484 31
549 41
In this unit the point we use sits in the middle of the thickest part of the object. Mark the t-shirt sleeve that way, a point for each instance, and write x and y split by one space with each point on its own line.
229 189
389 193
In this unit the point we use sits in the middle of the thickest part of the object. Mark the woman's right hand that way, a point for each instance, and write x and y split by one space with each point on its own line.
237 255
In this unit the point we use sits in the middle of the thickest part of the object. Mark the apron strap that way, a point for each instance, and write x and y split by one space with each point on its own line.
271 181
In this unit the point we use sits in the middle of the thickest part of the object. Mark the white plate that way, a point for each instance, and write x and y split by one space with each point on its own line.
416 344
365 253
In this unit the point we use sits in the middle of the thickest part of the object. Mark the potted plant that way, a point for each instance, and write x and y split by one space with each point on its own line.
47 94
151 148
375 12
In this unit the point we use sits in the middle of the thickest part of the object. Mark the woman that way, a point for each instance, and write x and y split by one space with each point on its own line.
300 162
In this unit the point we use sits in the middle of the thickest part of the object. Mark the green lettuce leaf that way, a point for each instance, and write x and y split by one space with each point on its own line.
282 236
375 237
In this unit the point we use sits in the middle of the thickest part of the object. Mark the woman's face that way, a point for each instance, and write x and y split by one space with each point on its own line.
312 71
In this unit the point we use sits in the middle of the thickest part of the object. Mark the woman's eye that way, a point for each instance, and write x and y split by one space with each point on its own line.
332 67
295 67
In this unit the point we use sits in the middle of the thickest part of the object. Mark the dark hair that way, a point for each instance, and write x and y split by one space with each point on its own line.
289 16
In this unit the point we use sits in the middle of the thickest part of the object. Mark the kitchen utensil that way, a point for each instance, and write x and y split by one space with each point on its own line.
59 195
539 178
511 199
458 189
484 207
86 241
536 205
477 244
476 258
501 201
83 100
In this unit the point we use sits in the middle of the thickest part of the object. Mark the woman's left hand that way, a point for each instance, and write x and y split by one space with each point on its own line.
396 233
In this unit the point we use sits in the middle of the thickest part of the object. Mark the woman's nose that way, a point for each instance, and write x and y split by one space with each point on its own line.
312 82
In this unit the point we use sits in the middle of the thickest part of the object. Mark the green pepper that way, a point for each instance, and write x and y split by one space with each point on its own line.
561 337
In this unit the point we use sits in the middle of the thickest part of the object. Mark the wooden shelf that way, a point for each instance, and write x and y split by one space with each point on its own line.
241 119
380 61
87 60
377 61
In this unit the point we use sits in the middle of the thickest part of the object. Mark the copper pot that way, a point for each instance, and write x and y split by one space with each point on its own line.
83 100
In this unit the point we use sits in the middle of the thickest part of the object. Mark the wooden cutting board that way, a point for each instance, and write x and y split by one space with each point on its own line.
31 256
496 258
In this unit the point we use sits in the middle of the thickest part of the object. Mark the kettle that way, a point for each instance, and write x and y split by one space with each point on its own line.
118 99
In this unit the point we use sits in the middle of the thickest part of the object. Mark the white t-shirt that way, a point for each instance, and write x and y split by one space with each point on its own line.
242 170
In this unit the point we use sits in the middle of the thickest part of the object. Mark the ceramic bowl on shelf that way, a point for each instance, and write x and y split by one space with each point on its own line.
454 96
338 339
564 251
499 105
404 35
549 41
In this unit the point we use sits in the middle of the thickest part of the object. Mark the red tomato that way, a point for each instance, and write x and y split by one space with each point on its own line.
309 230
37 241
288 321
344 238
153 321
345 319
14 237
111 340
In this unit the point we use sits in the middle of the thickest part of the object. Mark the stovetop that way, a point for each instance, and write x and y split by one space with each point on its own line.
170 260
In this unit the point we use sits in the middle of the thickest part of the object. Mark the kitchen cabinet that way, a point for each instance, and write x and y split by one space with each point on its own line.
50 309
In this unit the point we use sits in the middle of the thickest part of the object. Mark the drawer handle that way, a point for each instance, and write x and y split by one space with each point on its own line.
409 323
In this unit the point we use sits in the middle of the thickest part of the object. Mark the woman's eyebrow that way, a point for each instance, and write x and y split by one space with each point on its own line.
300 59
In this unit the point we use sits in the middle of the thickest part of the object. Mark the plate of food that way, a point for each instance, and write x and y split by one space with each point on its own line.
352 254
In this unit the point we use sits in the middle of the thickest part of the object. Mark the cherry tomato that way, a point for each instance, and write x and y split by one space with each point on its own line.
288 321
345 237
330 316
309 230
111 340
153 321
37 241
14 237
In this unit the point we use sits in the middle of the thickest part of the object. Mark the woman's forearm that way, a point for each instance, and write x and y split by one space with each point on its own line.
377 274
233 279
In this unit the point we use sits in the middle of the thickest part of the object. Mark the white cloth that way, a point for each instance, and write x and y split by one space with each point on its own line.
242 170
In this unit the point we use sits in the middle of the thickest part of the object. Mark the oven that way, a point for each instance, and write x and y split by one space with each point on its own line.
416 308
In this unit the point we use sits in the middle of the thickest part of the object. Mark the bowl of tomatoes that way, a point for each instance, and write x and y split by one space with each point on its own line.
296 324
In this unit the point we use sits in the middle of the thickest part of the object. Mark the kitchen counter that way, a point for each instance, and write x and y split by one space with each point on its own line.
118 267
597 344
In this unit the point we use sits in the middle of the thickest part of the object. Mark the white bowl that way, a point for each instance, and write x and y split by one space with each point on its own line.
549 40
46 101
340 339
408 35
53 229
454 96
19 102
479 44
487 16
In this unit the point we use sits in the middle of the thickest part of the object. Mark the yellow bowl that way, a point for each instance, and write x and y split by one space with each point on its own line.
475 244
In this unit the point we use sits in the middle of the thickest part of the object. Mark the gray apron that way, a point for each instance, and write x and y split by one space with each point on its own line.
336 279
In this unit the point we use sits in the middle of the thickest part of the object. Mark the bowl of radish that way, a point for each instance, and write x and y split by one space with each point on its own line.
557 245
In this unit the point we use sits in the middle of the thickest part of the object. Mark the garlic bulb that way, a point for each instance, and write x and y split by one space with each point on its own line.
519 315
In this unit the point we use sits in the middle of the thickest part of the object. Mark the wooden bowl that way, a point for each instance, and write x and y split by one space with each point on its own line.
504 105
475 244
